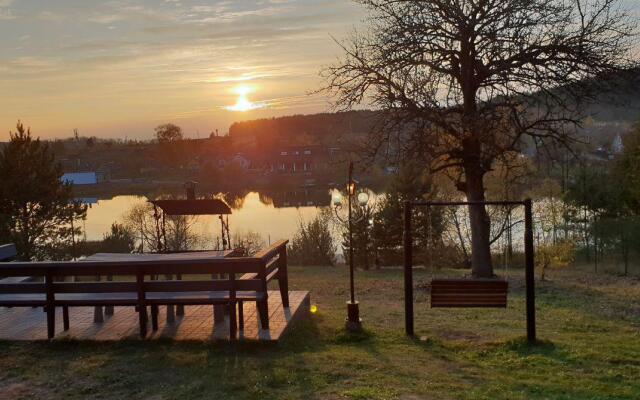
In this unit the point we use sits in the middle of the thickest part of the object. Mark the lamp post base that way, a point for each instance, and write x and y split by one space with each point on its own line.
353 322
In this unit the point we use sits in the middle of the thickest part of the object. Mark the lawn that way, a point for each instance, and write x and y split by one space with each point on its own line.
589 326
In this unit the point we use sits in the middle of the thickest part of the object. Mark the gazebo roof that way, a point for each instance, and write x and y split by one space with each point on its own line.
193 207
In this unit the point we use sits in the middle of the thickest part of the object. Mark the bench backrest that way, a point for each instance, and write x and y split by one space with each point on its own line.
469 293
51 274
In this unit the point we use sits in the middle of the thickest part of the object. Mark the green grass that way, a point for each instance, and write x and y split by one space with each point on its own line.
589 326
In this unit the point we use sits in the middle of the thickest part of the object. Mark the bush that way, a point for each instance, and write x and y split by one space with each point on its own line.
554 255
313 244
248 243
119 240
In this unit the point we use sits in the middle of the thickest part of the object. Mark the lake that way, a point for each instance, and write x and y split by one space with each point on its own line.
272 218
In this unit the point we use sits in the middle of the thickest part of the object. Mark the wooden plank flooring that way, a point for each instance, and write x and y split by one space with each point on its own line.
196 324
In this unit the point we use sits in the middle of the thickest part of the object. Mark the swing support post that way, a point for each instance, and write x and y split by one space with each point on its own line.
408 271
529 272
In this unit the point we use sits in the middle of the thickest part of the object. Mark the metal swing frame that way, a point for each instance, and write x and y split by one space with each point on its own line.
470 292
495 288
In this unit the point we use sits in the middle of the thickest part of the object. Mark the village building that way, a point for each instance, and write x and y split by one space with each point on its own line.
299 159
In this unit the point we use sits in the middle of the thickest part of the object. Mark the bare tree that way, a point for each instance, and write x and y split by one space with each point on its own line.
168 133
179 234
465 83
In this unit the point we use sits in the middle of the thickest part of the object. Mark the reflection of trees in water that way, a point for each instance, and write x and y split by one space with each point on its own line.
235 198
300 198
279 198
265 199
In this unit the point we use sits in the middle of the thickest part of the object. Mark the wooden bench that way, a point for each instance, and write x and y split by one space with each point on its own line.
51 290
276 268
469 293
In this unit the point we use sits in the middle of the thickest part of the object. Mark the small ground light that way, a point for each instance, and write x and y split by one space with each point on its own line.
313 309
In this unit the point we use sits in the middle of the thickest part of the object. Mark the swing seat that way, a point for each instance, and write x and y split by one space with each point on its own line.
459 293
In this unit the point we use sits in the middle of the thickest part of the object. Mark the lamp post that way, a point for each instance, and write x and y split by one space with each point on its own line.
353 322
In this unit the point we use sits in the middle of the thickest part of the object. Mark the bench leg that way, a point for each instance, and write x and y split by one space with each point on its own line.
142 317
108 310
218 313
98 317
51 322
283 277
171 315
179 307
263 312
283 284
154 318
241 315
65 317
233 322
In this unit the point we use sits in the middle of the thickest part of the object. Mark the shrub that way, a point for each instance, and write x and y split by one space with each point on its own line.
554 255
313 243
248 243
119 240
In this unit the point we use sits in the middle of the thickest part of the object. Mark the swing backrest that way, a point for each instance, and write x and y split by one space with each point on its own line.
469 293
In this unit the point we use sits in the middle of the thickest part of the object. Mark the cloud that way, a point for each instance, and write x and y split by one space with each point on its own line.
5 13
165 57
106 18
51 16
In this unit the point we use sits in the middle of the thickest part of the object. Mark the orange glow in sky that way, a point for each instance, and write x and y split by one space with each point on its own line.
118 69
243 103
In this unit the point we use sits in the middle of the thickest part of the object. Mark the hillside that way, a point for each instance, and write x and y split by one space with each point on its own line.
614 111
325 128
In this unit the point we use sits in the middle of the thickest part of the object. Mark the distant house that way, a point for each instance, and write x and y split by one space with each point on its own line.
80 178
298 159
241 160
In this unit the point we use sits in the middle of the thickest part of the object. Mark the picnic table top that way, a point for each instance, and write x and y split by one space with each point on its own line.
187 256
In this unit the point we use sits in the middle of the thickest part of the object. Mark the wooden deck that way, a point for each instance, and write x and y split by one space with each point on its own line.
196 324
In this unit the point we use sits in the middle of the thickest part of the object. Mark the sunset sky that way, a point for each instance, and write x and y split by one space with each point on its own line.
119 68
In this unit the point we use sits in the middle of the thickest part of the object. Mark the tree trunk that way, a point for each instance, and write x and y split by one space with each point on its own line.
481 265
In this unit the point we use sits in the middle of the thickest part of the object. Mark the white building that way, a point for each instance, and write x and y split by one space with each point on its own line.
80 178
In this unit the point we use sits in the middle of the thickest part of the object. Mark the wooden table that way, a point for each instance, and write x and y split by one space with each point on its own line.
218 311
187 256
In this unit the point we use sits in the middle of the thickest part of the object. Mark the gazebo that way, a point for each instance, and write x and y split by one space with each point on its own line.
192 206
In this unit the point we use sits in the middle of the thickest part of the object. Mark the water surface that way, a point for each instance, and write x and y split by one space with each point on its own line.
270 222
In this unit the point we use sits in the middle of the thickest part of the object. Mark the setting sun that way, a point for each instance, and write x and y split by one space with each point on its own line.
243 103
